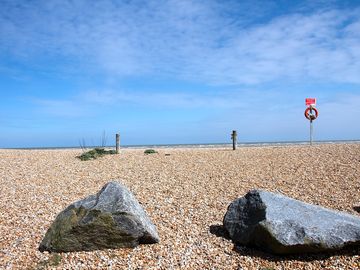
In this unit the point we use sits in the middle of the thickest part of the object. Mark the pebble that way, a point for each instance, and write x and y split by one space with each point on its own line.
184 193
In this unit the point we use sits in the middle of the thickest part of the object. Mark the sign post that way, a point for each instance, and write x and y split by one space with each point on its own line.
311 113
311 127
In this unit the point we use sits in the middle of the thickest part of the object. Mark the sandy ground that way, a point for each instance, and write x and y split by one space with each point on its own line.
185 193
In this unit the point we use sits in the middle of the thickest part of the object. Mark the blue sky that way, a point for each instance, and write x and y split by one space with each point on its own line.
162 72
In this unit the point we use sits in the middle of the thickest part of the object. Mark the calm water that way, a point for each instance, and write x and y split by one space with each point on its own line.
209 145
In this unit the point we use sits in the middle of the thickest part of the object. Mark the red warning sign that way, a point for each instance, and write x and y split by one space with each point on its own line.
310 101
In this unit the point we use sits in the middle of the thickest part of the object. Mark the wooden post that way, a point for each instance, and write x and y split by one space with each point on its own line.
117 143
234 139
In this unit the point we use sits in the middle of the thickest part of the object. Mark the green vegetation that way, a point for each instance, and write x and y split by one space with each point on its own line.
95 153
53 261
150 151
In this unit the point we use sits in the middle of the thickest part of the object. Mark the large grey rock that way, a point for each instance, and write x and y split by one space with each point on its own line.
112 218
281 225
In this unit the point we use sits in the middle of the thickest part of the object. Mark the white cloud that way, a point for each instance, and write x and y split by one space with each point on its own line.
206 41
94 102
60 108
172 99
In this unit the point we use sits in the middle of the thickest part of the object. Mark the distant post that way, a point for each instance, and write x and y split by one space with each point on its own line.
117 143
234 139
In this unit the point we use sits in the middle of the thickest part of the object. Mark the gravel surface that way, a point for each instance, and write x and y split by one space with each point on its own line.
186 194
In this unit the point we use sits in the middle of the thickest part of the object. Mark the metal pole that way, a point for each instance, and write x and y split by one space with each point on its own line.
311 126
311 132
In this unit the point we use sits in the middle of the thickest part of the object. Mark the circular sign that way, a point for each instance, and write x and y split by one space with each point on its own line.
311 113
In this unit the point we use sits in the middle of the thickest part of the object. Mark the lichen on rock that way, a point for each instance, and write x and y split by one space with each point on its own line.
112 218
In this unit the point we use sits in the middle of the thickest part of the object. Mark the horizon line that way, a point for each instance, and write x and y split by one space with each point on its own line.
180 145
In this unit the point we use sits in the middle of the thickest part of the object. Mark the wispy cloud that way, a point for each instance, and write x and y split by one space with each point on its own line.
168 99
95 101
60 108
208 41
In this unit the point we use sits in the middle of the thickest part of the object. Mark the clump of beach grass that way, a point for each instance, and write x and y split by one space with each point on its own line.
95 153
150 151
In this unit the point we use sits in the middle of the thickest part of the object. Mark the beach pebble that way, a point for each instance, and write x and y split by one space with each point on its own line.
184 194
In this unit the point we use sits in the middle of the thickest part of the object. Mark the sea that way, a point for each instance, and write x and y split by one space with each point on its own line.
205 145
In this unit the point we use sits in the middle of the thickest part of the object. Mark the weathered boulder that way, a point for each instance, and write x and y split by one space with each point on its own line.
112 218
281 225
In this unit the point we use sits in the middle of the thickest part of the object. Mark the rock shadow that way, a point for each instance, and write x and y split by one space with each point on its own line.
357 208
220 231
305 257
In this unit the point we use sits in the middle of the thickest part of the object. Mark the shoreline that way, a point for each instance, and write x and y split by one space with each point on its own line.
193 146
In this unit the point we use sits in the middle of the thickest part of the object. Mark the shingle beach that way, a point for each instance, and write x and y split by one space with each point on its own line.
185 191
